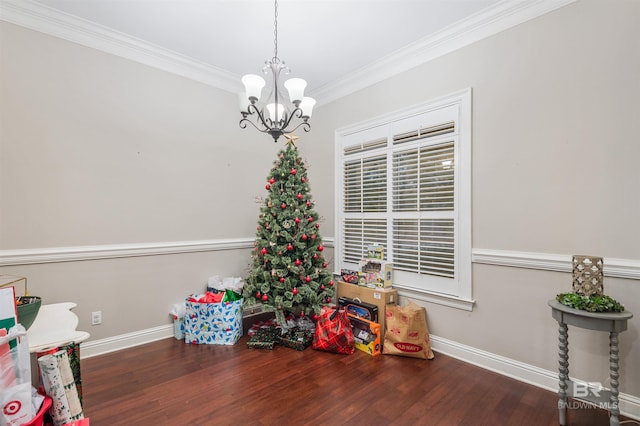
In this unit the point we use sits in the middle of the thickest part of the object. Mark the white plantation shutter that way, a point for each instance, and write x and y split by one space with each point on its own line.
365 191
437 180
424 181
410 190
359 233
425 246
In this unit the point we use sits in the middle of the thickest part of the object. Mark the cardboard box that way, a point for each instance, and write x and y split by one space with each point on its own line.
366 335
375 251
360 309
381 297
376 272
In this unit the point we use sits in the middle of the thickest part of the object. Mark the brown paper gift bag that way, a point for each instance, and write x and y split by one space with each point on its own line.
407 333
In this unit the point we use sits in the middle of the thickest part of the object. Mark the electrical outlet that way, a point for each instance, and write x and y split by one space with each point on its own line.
96 318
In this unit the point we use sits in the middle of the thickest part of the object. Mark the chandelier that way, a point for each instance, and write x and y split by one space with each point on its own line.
274 115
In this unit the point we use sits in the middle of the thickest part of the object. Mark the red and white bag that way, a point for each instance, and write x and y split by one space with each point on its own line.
16 407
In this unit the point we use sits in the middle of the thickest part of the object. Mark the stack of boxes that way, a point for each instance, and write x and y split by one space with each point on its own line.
374 271
365 294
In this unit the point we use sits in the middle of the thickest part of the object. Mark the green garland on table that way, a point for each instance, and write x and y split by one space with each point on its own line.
593 303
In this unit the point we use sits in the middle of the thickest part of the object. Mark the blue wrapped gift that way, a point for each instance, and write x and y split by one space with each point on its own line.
217 323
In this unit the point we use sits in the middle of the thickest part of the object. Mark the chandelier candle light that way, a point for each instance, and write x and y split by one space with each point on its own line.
279 118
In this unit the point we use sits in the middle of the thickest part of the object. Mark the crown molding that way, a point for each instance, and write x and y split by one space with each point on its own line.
501 16
53 22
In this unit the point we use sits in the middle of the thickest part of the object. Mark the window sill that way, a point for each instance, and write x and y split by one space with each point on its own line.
437 298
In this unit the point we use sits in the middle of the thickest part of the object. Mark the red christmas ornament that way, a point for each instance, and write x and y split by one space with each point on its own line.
258 227
267 187
282 279
294 291
263 251
283 206
320 247
313 236
294 171
297 262
331 283
272 181
317 226
310 218
289 247
328 299
322 287
265 297
307 279
308 203
258 295
301 314
315 256
302 179
304 237
299 196
324 264
296 220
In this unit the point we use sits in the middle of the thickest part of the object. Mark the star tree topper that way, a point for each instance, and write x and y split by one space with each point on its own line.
291 139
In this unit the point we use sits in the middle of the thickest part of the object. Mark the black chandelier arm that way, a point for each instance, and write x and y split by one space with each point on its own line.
253 109
245 120
306 128
297 112
269 126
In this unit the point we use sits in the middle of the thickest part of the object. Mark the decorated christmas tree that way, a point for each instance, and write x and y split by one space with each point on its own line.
289 272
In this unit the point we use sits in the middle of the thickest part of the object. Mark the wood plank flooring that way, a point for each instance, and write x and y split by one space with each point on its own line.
172 383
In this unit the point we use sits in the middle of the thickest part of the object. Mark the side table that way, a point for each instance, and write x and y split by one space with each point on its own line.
54 326
614 323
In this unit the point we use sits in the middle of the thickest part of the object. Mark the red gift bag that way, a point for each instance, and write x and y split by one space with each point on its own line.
333 331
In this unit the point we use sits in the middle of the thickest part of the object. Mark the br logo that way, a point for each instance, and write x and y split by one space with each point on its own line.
583 390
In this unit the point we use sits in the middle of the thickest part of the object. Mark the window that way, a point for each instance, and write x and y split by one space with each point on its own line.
404 180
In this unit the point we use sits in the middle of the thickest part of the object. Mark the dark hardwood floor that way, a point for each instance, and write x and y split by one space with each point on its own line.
172 383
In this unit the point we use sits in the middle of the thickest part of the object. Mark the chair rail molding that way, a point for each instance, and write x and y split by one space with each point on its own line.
613 267
112 251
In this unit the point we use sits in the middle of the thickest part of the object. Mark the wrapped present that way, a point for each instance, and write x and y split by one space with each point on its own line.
263 338
296 338
208 321
177 314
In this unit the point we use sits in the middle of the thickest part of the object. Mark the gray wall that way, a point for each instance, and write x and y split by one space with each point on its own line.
98 150
556 120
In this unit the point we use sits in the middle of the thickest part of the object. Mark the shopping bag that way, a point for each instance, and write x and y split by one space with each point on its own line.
218 323
333 331
407 333
15 378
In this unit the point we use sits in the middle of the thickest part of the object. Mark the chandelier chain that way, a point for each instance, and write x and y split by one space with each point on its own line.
275 31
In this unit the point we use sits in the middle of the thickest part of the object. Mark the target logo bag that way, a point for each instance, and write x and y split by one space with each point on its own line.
15 378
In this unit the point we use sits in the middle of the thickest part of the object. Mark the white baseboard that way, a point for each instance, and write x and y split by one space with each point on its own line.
124 341
629 404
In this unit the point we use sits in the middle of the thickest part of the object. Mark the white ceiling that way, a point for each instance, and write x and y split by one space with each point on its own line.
330 43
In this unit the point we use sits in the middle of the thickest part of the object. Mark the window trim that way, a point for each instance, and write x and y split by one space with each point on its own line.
372 129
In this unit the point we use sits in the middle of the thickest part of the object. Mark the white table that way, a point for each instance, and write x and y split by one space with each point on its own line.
54 326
